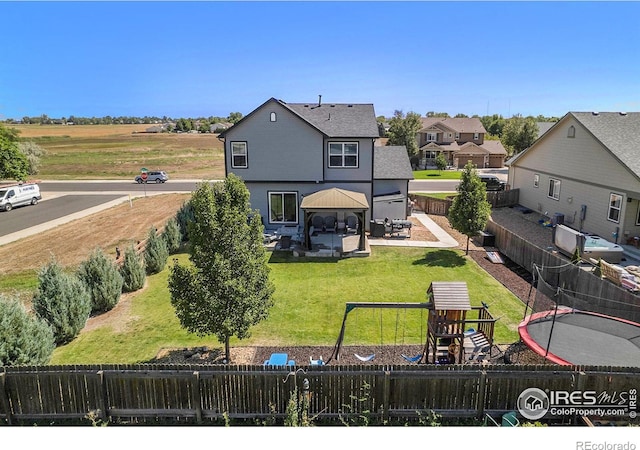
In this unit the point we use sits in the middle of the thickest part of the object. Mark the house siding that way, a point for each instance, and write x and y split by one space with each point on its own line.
260 196
299 147
588 173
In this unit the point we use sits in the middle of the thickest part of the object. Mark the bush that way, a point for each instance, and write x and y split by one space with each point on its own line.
24 338
172 236
62 301
155 253
103 281
132 271
184 216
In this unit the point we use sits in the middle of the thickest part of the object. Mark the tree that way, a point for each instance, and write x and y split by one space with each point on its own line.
234 117
441 161
132 271
62 301
13 163
33 152
24 338
518 134
470 210
102 279
172 236
155 253
184 216
403 130
226 288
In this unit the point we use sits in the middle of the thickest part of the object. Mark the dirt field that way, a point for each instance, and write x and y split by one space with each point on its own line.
71 243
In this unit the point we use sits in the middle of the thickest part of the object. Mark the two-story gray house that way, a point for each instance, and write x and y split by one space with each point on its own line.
285 152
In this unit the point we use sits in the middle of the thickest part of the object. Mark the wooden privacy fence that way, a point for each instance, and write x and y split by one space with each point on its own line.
440 207
197 393
588 288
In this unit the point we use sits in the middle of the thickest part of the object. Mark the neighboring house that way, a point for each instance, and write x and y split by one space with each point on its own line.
585 171
285 152
460 140
218 126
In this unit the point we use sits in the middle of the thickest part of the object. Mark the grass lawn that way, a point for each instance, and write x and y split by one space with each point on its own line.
308 307
437 174
440 195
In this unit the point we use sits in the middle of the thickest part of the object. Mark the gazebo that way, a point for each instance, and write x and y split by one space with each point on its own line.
334 200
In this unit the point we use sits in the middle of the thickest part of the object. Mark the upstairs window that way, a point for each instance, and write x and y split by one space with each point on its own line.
554 189
476 136
571 133
239 155
615 205
457 135
432 137
273 117
343 154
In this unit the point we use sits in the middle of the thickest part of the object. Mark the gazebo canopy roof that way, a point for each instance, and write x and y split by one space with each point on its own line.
335 198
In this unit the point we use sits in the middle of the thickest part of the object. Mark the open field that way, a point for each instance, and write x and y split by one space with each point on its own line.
120 151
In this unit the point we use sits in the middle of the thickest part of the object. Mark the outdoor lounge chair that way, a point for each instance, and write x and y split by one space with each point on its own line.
330 223
352 224
365 358
317 222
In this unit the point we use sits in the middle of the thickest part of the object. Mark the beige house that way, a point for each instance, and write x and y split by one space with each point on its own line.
585 171
459 140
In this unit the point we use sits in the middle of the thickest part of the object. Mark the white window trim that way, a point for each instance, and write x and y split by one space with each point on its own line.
556 192
536 180
282 194
244 152
343 155
613 208
431 137
476 136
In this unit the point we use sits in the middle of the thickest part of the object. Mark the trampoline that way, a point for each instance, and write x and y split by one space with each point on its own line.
582 338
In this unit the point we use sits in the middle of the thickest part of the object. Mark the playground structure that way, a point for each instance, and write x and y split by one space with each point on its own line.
449 338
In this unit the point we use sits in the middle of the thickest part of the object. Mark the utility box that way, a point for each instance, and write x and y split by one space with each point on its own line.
485 239
557 219
376 228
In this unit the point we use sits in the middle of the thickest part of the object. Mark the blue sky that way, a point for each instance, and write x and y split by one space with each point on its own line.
194 59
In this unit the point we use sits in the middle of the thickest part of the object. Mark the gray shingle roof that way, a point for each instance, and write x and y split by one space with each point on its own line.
391 162
619 132
338 119
459 124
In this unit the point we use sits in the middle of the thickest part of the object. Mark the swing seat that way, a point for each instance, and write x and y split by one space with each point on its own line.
316 362
412 358
365 358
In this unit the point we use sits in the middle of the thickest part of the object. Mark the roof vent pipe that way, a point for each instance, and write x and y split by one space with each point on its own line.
319 100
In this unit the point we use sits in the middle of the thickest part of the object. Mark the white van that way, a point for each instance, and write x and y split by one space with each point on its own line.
18 195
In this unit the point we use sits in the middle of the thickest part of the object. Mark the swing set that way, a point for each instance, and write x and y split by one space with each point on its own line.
351 306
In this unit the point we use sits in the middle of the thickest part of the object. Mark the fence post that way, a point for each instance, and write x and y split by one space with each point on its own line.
195 396
482 387
4 399
386 395
104 415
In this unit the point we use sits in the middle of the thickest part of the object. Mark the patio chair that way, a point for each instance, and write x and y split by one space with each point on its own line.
352 224
330 224
317 222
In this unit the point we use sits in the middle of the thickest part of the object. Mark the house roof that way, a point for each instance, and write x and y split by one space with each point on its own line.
355 120
618 132
449 295
338 119
391 162
335 198
459 124
491 147
543 127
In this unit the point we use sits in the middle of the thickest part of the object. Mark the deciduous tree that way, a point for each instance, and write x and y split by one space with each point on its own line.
518 134
226 289
13 163
403 130
470 210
